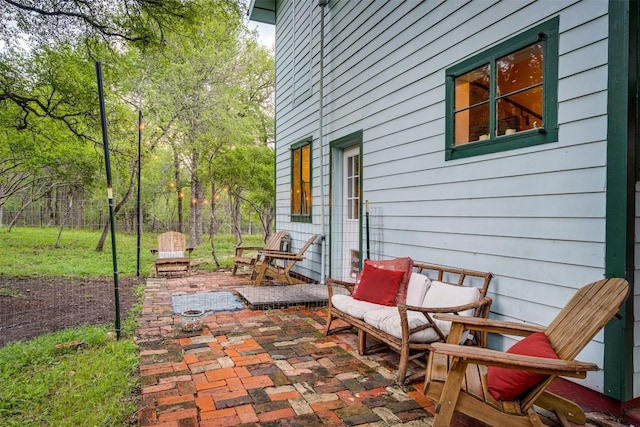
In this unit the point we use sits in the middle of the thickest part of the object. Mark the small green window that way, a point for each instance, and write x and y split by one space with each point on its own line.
301 196
505 97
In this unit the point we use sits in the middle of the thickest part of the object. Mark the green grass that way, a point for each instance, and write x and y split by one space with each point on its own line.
93 384
32 252
45 382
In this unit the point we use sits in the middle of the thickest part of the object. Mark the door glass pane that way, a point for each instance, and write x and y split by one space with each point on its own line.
353 187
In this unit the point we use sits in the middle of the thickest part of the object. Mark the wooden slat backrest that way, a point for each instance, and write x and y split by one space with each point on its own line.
273 242
171 241
585 315
309 242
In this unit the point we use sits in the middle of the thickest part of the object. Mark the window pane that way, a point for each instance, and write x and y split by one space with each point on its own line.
472 124
306 180
520 111
295 184
520 70
472 88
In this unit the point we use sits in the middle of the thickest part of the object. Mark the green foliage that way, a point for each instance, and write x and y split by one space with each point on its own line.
68 385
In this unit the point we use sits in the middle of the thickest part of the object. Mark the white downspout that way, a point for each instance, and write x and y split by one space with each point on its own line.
322 4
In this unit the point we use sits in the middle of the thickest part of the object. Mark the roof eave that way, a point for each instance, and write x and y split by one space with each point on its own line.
263 11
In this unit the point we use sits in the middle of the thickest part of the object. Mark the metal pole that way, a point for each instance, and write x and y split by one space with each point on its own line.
107 163
139 211
322 4
366 215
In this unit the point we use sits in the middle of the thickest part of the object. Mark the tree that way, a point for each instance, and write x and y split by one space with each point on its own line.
247 173
35 25
198 85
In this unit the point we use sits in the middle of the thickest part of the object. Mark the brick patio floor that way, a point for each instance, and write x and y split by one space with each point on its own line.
270 367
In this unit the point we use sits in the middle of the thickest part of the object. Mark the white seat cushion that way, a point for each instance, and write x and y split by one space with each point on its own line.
353 307
417 288
174 254
438 295
445 295
388 320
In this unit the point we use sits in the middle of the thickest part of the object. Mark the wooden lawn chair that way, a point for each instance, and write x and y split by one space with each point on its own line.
267 267
246 255
172 255
456 375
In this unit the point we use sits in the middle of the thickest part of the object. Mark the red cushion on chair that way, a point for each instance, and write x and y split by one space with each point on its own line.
508 384
378 285
404 264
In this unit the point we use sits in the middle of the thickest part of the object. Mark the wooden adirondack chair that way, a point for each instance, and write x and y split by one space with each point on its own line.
456 375
266 265
172 255
247 255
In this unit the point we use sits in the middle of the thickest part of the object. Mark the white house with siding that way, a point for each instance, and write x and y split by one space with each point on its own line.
490 135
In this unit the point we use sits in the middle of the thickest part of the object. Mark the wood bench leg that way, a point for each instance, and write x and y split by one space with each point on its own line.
362 342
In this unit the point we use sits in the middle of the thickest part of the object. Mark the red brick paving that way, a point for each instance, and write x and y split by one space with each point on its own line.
263 368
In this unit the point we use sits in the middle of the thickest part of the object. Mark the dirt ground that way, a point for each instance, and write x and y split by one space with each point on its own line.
33 306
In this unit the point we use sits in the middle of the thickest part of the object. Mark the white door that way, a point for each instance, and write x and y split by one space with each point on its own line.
350 213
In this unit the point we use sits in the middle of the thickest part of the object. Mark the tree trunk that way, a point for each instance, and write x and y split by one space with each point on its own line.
62 221
213 224
235 201
195 213
176 168
116 209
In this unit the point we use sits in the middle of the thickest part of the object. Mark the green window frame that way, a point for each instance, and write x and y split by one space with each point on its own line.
301 181
498 134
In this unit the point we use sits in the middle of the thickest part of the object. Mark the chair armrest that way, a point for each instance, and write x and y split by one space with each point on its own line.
349 285
491 325
240 249
487 357
154 251
280 255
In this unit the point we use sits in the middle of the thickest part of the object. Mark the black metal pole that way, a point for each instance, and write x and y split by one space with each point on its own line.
107 163
366 215
139 213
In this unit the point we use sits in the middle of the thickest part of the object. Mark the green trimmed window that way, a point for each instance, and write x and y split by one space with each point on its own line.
301 181
505 97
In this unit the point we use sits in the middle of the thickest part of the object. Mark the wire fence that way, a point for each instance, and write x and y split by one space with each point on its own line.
31 306
94 214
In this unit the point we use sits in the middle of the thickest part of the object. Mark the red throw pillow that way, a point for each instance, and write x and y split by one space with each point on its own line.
508 384
378 285
404 264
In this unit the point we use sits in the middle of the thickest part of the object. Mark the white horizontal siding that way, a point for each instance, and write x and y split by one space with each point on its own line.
535 217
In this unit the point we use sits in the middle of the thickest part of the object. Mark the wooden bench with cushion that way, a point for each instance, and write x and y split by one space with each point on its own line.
406 325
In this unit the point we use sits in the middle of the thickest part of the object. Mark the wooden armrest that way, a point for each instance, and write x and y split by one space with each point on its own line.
239 249
487 357
154 251
330 282
189 250
348 285
454 309
491 325
280 255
